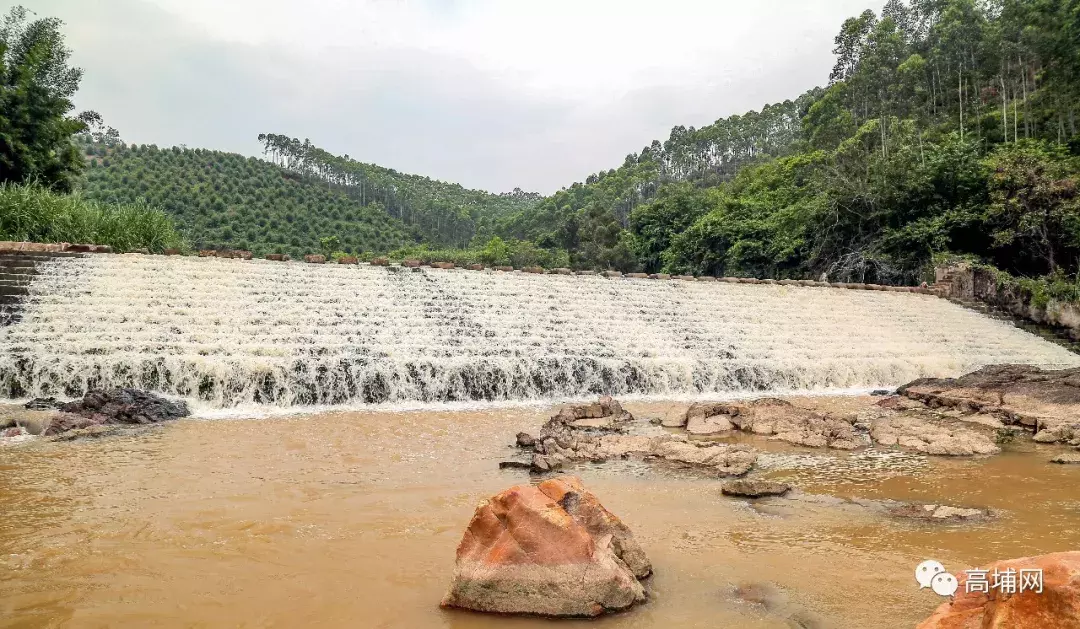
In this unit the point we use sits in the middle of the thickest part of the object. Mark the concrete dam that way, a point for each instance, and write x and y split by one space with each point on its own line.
227 332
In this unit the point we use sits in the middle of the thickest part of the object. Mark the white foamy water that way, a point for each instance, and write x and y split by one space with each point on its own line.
232 333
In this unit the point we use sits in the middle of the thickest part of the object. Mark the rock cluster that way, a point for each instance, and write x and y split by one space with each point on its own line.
598 432
96 409
924 432
773 417
1047 402
1057 606
550 550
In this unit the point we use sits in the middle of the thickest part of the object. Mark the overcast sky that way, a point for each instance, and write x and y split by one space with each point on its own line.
492 94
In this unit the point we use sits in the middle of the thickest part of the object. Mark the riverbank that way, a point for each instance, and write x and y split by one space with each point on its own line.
336 519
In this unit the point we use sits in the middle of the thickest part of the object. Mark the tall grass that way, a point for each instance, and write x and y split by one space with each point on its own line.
35 214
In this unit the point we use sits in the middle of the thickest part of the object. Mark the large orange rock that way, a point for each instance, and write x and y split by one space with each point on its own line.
1057 607
552 550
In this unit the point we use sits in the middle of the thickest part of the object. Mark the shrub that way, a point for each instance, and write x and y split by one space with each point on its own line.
35 214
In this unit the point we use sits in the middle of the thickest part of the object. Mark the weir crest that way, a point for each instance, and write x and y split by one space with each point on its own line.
232 332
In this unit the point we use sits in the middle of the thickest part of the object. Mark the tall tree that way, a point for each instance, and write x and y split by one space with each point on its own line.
36 86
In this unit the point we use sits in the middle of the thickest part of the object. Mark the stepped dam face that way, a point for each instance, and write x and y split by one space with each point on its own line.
232 332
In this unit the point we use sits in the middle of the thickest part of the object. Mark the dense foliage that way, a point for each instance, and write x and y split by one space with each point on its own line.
35 214
36 86
949 125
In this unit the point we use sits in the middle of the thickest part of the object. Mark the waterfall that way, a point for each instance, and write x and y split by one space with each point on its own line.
232 332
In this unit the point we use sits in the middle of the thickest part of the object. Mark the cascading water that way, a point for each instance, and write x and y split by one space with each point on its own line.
230 332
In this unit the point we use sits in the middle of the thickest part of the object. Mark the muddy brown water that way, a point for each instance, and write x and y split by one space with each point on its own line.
351 520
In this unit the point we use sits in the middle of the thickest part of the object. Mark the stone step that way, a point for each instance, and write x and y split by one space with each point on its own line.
8 289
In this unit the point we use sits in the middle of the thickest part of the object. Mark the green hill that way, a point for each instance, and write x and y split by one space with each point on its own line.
225 200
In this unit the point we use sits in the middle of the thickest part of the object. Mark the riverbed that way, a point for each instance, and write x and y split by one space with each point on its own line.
352 520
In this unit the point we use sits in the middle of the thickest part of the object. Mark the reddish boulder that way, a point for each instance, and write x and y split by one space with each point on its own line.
533 269
316 258
411 263
475 267
348 260
277 257
1056 607
380 262
207 253
551 550
504 269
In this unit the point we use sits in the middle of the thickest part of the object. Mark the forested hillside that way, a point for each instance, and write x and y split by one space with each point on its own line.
948 126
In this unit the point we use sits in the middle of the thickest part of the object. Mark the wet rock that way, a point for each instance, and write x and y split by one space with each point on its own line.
126 406
880 392
90 432
549 550
525 440
754 488
1066 459
574 435
317 258
514 465
928 433
42 404
7 421
938 513
1043 400
1057 606
34 423
725 460
11 432
713 425
63 422
772 417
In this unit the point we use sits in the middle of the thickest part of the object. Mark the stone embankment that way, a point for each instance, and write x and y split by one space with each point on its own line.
978 288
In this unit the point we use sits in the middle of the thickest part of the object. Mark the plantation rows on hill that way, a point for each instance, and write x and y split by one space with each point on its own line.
227 200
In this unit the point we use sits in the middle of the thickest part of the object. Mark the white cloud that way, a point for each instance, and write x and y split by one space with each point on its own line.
490 93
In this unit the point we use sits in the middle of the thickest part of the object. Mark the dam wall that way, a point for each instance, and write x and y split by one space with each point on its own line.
234 331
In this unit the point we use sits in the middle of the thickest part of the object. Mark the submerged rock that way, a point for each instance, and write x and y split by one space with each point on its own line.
773 600
1055 606
754 488
525 440
549 550
938 513
1066 459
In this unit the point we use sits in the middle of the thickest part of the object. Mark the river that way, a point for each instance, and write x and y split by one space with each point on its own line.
352 519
